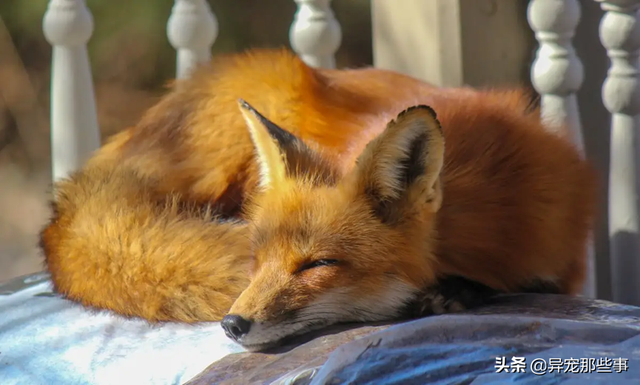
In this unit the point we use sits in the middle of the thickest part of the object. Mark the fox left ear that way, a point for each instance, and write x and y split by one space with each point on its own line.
280 154
403 163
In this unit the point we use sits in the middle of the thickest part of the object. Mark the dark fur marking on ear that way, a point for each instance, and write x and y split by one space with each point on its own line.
282 136
430 110
411 168
383 208
301 161
414 165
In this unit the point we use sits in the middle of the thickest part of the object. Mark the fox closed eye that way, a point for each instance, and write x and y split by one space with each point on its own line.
317 263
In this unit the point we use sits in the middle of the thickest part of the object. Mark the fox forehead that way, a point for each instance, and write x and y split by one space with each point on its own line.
305 223
299 206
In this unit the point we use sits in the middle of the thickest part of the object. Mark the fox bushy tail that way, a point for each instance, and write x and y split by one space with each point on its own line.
115 242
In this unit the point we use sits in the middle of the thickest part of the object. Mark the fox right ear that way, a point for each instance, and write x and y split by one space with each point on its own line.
402 165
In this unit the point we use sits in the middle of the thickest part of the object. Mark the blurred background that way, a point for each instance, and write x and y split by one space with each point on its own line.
131 62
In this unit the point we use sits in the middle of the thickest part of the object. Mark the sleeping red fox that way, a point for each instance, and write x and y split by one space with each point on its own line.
292 198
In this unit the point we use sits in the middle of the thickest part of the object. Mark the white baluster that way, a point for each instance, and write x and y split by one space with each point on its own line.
67 26
620 35
315 33
557 74
192 29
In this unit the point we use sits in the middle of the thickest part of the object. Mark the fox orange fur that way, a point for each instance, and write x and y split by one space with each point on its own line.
291 198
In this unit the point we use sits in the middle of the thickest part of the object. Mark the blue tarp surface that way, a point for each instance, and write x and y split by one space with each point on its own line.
519 339
466 349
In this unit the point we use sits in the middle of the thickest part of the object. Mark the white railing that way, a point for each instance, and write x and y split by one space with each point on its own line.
315 33
68 25
620 35
192 29
557 74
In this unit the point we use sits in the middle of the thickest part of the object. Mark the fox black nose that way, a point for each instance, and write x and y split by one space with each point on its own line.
235 326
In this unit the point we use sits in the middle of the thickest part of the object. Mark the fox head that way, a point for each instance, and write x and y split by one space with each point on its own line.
336 247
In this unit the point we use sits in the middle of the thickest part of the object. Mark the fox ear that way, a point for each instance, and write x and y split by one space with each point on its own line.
280 154
403 163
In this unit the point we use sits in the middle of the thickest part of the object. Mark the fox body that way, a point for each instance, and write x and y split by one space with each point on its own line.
289 198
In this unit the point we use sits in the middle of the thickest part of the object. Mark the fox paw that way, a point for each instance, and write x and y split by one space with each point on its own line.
451 295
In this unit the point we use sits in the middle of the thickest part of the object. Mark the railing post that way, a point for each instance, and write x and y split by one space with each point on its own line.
192 29
67 26
315 34
557 75
557 72
620 35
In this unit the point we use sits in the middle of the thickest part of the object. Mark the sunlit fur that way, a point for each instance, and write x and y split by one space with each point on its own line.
196 211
